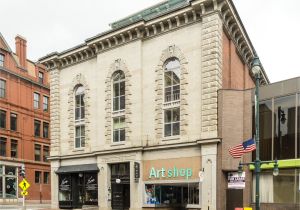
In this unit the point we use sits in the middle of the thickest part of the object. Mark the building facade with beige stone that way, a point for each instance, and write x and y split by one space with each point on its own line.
135 110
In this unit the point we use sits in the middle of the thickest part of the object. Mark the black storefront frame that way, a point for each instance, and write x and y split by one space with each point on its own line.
77 186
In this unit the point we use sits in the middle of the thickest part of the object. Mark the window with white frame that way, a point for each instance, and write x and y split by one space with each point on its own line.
172 80
118 91
119 129
172 122
36 100
2 88
79 117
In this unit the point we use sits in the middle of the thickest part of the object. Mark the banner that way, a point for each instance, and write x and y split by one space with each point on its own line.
235 181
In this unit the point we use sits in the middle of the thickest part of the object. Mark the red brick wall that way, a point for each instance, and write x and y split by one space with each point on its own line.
235 72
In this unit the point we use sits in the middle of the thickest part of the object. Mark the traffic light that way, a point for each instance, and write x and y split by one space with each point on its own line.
22 171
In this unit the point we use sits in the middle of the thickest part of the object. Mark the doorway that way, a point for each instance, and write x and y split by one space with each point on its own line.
234 199
120 186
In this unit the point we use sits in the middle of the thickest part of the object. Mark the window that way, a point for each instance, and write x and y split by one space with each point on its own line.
3 146
13 122
14 148
1 59
37 128
2 88
172 80
119 129
8 181
45 153
172 122
41 77
36 100
283 188
2 119
46 177
45 130
37 177
79 117
79 136
118 91
79 103
298 129
45 103
37 152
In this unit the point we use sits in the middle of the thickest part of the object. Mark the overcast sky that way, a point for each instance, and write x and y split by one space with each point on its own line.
55 25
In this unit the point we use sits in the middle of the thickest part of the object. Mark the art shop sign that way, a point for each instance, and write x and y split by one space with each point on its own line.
185 173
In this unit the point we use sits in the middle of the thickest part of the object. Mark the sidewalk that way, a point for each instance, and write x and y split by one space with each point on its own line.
28 206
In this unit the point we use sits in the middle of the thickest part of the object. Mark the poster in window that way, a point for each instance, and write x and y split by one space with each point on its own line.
64 183
236 181
91 182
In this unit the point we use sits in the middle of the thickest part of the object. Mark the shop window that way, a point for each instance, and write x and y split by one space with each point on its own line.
1 59
118 90
284 121
79 136
64 194
37 152
172 195
37 128
298 129
41 77
172 80
281 189
45 130
119 129
45 103
2 88
46 177
13 122
45 153
3 146
1 185
2 119
8 181
36 100
172 122
91 189
14 148
37 177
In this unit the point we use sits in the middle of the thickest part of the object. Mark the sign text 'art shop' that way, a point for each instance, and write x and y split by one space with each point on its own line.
170 173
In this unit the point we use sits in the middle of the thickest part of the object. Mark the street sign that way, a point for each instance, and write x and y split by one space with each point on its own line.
24 193
24 185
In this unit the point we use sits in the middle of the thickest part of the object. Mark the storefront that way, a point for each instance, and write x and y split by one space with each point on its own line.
172 183
78 186
8 183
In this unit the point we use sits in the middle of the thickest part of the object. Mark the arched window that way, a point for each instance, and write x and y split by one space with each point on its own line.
79 117
118 90
172 80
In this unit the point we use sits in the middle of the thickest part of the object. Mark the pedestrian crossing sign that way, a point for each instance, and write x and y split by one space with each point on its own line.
24 193
24 185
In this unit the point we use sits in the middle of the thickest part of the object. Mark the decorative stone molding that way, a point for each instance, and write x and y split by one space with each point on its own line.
55 112
79 80
171 51
117 65
211 70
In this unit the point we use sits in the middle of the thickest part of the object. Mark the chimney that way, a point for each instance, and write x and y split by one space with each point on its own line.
21 50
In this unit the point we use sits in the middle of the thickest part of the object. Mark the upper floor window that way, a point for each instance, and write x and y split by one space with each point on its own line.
118 90
45 103
45 130
79 103
172 80
172 122
2 88
119 129
37 176
79 136
41 77
37 128
37 152
2 146
36 100
13 148
1 59
45 153
13 122
2 119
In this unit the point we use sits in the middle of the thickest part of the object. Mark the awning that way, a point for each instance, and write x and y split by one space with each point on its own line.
77 168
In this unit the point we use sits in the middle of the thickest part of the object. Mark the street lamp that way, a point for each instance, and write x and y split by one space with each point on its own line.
256 71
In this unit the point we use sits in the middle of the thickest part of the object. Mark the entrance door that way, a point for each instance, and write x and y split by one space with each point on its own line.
77 190
120 196
234 198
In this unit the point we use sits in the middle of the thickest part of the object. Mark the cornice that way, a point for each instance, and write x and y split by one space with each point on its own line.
191 12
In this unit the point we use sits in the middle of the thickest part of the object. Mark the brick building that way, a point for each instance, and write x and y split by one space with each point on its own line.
24 124
142 114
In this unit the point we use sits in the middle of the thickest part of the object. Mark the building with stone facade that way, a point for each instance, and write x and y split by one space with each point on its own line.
24 124
141 115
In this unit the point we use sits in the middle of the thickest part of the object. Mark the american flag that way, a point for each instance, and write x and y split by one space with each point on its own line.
240 149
